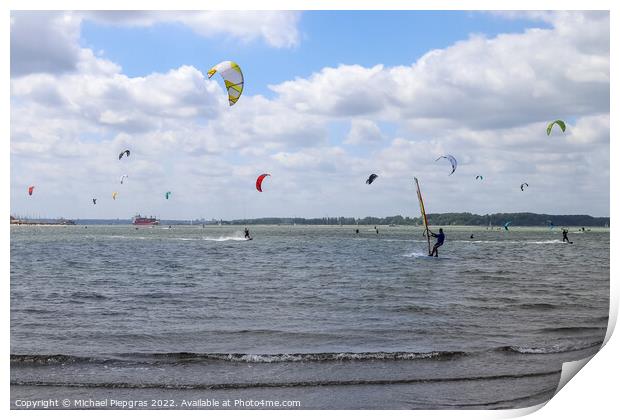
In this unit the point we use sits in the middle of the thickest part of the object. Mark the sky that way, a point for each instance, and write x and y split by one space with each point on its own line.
329 98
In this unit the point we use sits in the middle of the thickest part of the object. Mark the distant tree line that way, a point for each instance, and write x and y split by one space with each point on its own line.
434 219
440 219
517 219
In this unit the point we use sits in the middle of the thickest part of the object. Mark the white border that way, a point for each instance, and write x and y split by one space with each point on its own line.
592 394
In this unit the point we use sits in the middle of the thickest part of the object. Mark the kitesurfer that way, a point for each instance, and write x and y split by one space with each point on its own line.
376 230
565 236
247 233
471 236
357 231
440 238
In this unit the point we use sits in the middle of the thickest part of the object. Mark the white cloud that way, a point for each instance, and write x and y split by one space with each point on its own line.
276 28
48 41
44 42
364 131
482 83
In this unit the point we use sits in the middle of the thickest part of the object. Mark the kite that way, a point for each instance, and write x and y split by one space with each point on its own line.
30 189
371 178
560 124
233 78
507 224
94 201
114 194
123 178
452 160
525 184
168 195
126 152
479 177
259 182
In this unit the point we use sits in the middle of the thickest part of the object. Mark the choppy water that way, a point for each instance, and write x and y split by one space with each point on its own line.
318 315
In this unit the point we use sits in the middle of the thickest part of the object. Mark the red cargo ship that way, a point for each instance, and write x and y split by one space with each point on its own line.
144 221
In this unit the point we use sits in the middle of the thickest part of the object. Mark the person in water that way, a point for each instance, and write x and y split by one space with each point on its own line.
471 236
357 231
247 233
440 238
565 236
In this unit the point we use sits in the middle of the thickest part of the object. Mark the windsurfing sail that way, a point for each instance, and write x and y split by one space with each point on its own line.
423 213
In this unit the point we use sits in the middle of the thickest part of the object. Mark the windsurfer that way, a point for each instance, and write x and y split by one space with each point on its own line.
440 238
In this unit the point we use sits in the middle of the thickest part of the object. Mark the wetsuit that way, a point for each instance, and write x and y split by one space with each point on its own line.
440 238
565 236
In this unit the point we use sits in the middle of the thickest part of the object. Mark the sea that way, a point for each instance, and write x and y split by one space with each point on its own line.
300 317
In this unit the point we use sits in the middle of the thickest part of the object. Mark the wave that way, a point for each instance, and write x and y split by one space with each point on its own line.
125 237
224 238
186 357
426 256
403 240
218 239
475 241
205 238
190 357
246 385
545 394
549 350
537 306
49 359
416 255
574 329
88 295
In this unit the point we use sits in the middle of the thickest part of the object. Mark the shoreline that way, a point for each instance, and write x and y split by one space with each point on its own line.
384 228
